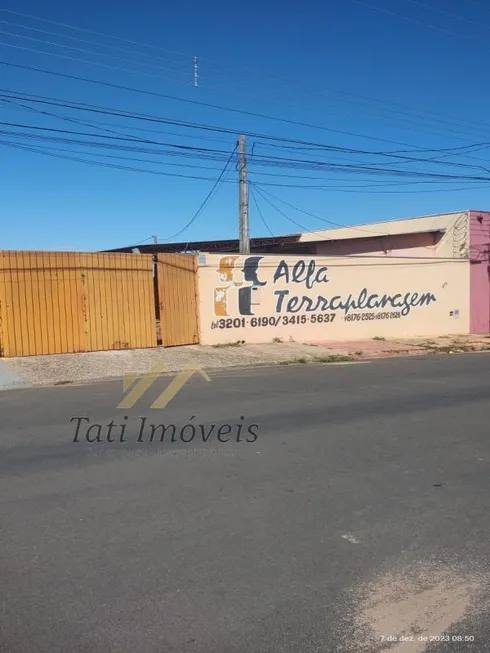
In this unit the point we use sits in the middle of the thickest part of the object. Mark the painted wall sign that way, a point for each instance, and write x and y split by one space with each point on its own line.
303 277
320 298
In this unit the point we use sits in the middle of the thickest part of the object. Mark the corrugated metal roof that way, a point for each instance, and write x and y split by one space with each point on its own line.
427 224
212 245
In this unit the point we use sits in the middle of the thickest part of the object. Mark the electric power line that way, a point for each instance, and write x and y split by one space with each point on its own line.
206 200
101 164
298 224
351 188
119 113
143 241
204 104
252 193
89 31
213 154
86 41
97 54
190 57
446 13
322 234
94 124
199 154
482 5
335 224
410 19
84 61
410 119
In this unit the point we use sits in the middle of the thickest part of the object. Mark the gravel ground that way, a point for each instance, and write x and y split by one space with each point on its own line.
90 366
73 368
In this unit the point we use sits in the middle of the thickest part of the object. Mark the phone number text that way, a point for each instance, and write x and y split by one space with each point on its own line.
356 317
273 320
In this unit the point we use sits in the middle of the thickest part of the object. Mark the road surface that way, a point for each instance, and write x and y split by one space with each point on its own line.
358 520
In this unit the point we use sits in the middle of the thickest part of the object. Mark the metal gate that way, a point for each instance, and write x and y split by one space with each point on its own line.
177 308
65 302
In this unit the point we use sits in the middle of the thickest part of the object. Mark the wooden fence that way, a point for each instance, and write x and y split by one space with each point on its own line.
177 298
61 302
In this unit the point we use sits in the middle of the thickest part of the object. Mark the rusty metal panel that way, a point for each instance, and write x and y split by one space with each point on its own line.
177 294
64 302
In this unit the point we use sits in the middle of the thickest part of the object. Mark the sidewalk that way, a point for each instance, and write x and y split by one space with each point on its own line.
78 368
390 347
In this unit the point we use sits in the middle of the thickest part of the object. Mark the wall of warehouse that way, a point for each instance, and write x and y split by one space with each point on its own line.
440 236
314 299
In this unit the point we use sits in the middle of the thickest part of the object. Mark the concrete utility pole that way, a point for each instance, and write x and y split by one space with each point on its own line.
243 197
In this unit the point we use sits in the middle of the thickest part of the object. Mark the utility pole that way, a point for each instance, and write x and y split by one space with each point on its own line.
243 197
155 240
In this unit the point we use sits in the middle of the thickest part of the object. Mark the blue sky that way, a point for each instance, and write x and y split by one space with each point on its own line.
339 64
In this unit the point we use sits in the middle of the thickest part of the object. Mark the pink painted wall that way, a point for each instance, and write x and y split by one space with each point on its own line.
479 272
421 245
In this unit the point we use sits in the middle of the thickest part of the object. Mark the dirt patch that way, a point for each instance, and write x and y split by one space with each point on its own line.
400 611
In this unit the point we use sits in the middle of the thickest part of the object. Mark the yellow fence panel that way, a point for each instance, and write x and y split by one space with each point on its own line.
63 302
177 293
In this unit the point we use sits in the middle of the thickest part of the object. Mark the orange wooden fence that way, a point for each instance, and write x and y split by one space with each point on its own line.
177 294
61 302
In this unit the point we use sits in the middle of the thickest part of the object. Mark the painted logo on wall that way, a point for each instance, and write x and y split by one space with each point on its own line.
236 282
301 287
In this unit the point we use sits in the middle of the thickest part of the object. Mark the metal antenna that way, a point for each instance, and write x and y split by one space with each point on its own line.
196 71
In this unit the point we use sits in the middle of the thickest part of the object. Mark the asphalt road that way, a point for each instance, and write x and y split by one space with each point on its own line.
361 476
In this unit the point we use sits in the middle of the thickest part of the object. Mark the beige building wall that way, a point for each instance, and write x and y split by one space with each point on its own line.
313 299
423 245
413 237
